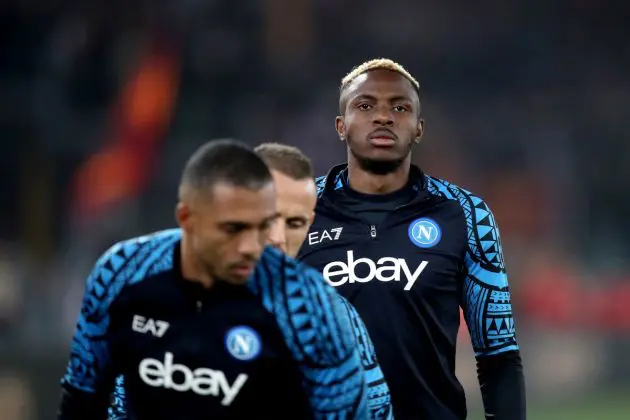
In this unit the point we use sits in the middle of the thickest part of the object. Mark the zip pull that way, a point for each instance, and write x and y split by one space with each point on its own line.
199 306
373 231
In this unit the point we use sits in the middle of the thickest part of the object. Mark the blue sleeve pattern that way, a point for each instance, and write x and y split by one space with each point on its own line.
486 296
125 263
118 410
379 400
318 333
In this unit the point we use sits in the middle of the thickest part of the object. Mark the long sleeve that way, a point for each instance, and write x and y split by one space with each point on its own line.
89 379
318 332
487 308
378 396
336 383
502 385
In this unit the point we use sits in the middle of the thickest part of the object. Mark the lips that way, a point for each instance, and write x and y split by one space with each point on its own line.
243 269
382 138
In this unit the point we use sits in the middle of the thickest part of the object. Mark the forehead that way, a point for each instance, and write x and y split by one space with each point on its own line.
294 195
381 82
229 202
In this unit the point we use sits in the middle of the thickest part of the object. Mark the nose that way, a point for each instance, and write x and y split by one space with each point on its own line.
277 236
251 244
383 116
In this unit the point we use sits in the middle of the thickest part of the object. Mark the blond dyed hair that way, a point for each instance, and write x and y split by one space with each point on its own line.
375 64
378 64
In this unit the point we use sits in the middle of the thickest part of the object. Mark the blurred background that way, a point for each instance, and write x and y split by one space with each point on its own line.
526 103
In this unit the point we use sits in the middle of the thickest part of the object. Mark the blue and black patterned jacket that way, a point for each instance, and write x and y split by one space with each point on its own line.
281 347
408 276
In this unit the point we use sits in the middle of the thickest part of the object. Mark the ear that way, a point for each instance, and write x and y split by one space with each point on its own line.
419 130
340 127
183 215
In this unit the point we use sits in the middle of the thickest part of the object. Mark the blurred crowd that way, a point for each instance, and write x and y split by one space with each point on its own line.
526 104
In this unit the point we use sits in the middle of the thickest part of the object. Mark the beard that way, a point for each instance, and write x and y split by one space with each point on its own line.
379 166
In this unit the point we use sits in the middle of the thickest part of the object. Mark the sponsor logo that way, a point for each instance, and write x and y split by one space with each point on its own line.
181 378
386 269
325 235
144 325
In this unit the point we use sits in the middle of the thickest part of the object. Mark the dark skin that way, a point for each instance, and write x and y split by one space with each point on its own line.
380 124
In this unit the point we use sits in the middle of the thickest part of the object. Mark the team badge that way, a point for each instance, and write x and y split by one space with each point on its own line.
243 343
424 232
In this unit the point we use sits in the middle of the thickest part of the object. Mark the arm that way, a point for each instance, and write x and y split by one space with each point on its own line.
88 381
334 378
379 400
488 312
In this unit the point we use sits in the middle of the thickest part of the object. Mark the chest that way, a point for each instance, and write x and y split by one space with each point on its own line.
219 346
410 253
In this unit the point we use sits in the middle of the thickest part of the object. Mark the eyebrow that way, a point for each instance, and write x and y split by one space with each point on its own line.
373 98
246 224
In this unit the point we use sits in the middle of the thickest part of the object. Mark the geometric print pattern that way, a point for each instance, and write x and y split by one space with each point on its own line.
125 263
485 294
117 409
489 318
379 399
484 241
318 332
320 182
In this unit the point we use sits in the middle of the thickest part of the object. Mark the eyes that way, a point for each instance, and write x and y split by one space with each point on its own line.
396 108
295 223
234 228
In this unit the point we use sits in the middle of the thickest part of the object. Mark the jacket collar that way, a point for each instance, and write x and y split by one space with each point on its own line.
338 176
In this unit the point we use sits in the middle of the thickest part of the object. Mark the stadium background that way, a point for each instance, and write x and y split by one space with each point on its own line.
527 104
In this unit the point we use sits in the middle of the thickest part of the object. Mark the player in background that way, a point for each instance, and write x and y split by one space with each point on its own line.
411 250
296 196
201 320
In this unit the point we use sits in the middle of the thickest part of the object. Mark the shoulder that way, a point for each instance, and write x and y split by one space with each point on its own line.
482 230
131 261
320 182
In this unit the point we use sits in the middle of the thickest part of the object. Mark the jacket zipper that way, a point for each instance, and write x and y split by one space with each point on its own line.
373 231
199 306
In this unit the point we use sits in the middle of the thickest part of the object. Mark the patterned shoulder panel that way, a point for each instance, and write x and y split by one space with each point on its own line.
124 263
317 330
320 182
486 299
484 243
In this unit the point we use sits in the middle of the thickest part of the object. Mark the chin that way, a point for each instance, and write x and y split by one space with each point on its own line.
380 166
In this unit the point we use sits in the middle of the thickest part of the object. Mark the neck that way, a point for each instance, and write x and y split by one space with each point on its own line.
369 183
192 270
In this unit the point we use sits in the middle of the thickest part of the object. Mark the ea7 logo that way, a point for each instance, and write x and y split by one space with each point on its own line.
147 325
326 235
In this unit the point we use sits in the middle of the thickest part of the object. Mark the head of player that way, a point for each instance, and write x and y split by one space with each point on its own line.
296 195
226 207
380 119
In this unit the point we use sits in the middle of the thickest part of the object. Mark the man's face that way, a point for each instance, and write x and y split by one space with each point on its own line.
228 228
295 205
381 121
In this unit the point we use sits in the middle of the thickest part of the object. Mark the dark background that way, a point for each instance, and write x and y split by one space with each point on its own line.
526 103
